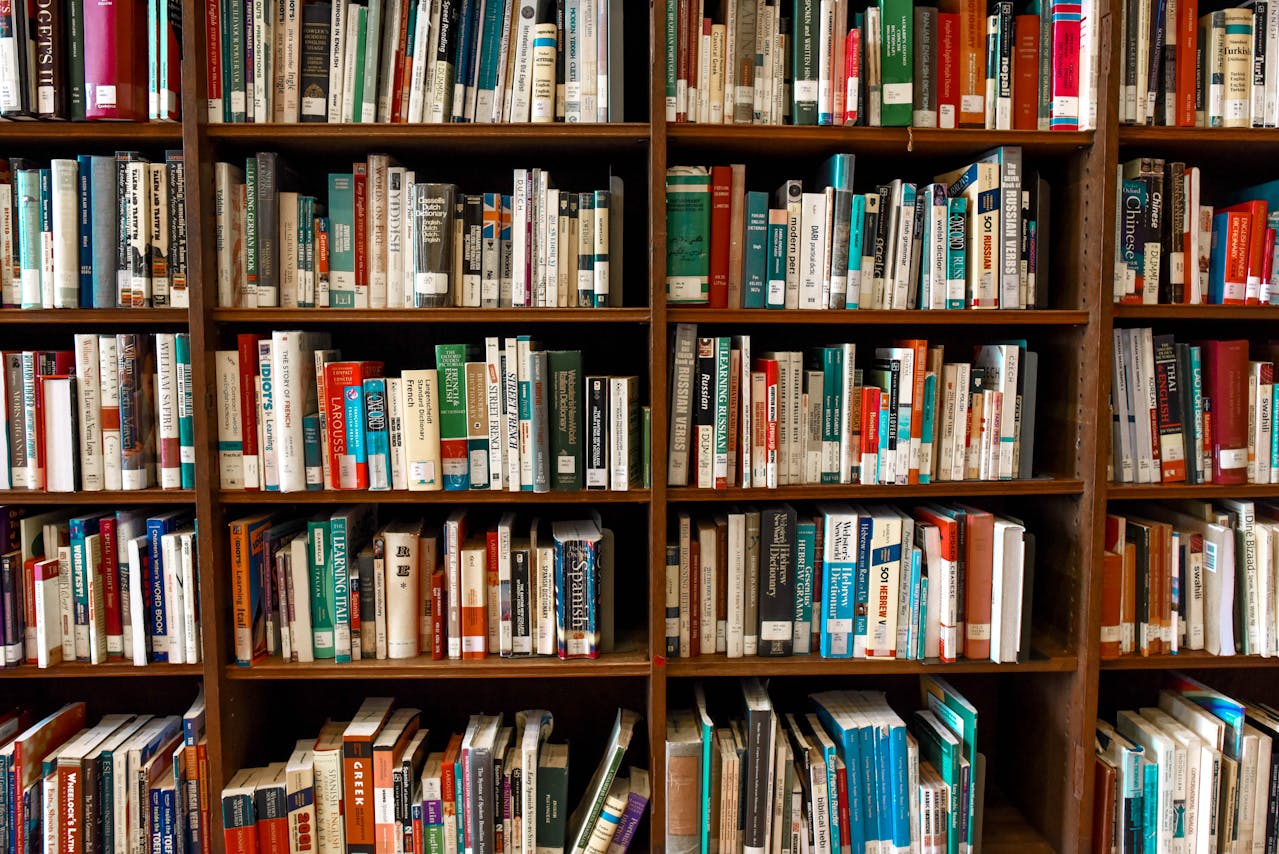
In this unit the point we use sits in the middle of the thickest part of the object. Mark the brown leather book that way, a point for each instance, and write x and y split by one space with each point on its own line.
1103 807
1112 572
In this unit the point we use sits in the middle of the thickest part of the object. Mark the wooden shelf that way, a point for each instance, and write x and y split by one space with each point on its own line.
128 497
1136 491
1006 831
1189 659
111 669
94 316
835 492
1202 140
767 140
812 665
91 133
1266 313
743 316
619 664
432 315
467 496
468 138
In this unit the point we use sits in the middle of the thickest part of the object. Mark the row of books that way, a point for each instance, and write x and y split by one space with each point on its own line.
89 60
850 774
384 781
847 581
1194 413
98 587
341 586
292 416
1170 247
962 63
1196 772
416 61
976 238
1185 69
113 413
787 418
383 239
94 232
1193 575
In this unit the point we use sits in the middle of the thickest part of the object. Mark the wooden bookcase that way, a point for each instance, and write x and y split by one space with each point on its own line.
1036 717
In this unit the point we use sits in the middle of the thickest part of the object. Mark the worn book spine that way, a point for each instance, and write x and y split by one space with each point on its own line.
777 580
566 398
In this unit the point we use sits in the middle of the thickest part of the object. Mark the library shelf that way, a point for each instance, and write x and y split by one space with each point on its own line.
619 664
1207 491
126 497
858 317
457 496
838 491
1132 311
812 665
504 139
90 133
432 315
94 316
1188 660
1197 139
113 669
1006 831
808 140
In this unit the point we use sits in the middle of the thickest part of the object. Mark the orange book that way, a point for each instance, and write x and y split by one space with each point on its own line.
1162 535
29 750
920 367
979 548
952 639
357 774
1255 210
972 59
387 752
202 780
474 599
1187 80
1112 579
492 589
1026 73
1128 599
437 615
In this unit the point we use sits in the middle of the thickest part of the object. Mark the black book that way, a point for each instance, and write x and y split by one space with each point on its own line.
1170 291
50 69
1185 399
74 32
520 593
446 47
881 236
597 432
561 41
759 725
316 27
433 226
472 247
268 214
1139 535
177 224
777 580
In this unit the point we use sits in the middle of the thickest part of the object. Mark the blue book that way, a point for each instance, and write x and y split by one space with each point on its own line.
104 226
356 447
840 582
755 250
923 618
84 219
157 620
833 712
312 453
916 603
898 808
1150 805
927 429
468 26
861 591
867 747
1217 258
186 409
157 821
805 545
80 528
489 47
376 434
956 251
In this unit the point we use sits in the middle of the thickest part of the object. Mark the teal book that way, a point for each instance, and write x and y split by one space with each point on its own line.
723 353
804 26
341 241
186 409
959 716
805 551
832 411
688 234
322 592
312 455
372 33
956 251
856 242
28 228
897 57
349 528
775 294
927 429
490 49
755 251
450 362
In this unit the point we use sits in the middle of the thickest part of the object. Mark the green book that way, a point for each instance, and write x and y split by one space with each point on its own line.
942 750
341 241
450 362
804 24
552 796
897 57
349 527
565 368
366 108
959 716
688 234
670 78
755 251
646 447
322 592
361 29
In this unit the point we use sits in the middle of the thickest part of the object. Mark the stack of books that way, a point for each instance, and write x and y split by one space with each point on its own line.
385 781
939 583
100 587
1197 412
1191 575
1194 773
849 774
781 418
960 63
292 415
114 413
975 238
94 232
128 777
382 239
341 586
416 61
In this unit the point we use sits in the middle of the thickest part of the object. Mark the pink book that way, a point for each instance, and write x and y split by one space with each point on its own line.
852 75
1064 113
115 59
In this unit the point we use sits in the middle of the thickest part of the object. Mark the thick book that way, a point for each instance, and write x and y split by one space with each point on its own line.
777 585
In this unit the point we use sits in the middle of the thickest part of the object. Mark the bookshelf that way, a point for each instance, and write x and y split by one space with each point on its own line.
1041 712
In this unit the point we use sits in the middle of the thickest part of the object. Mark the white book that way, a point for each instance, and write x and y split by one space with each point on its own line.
417 75
300 599
545 587
89 398
401 580
552 251
291 365
409 239
289 68
501 93
173 598
506 589
825 60
522 75
377 227
812 244
166 406
736 576
421 413
190 595
157 222
137 623
494 399
510 412
1007 573
288 243
137 229
66 259
395 221
588 35
744 392
262 29
520 214
48 628
395 431
230 248
885 576
230 433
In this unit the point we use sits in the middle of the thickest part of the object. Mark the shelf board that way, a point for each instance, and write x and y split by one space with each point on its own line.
84 316
957 489
811 665
401 496
130 497
1197 660
759 140
91 133
432 315
1196 138
877 318
469 138
115 668
1135 491
1129 311
619 664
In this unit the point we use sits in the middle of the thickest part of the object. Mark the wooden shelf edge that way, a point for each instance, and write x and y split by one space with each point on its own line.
38 132
616 665
1139 491
896 140
1139 134
1122 311
432 315
811 665
858 317
467 496
81 316
1189 660
120 496
111 669
956 488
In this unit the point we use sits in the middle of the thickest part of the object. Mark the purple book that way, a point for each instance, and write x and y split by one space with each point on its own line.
636 803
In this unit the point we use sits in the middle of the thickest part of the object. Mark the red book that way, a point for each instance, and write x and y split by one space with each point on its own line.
1267 267
852 75
1255 210
948 70
247 346
1187 78
1026 73
213 58
695 598
870 435
29 751
346 473
979 551
397 74
360 189
202 767
841 788
681 59
239 817
721 208
29 607
952 642
768 367
438 619
492 591
273 818
1225 380
111 586
1064 91
115 60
